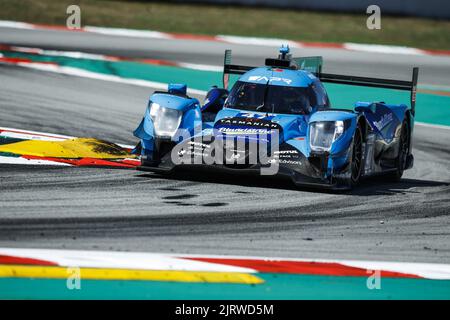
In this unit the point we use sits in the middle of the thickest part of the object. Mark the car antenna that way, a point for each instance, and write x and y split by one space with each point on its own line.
284 51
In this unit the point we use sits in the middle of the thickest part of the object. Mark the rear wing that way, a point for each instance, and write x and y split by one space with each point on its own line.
310 64
314 65
377 83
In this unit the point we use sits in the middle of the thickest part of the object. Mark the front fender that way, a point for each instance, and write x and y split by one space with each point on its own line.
350 120
191 118
145 129
339 154
145 133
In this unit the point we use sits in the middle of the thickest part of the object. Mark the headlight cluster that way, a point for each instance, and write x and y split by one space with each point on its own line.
165 121
323 134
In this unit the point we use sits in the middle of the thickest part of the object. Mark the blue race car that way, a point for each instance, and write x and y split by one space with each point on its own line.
277 120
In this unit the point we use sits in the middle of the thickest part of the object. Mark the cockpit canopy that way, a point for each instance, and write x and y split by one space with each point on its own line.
276 98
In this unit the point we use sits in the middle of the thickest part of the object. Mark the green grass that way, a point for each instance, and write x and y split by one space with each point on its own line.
208 19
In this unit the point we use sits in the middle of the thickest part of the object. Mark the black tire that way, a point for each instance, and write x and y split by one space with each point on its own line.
356 163
149 163
403 152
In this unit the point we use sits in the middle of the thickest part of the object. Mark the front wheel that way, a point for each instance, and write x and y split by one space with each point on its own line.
160 149
356 162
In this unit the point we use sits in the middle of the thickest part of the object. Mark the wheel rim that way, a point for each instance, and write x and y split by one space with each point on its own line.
357 156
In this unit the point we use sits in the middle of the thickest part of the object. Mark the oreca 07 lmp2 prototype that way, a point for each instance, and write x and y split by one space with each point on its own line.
283 108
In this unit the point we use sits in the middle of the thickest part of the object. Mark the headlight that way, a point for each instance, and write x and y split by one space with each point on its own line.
323 134
165 121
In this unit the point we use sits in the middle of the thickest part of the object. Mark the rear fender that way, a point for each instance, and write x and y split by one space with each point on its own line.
384 119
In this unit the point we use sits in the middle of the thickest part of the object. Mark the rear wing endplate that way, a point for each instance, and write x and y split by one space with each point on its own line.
229 68
310 64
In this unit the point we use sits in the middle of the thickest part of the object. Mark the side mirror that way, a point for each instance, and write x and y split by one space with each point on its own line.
214 100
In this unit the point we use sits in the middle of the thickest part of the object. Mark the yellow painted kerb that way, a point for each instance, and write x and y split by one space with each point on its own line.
71 149
21 271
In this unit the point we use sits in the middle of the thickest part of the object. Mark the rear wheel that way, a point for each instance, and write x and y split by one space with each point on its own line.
402 154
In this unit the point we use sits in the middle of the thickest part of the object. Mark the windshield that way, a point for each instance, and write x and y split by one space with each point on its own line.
268 98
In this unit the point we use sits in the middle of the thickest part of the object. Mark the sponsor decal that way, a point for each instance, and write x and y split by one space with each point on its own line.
264 116
385 119
247 122
223 149
298 163
243 131
287 152
290 157
282 161
269 79
248 127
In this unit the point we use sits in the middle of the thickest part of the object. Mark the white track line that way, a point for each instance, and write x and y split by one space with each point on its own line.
121 260
99 76
383 49
435 126
100 57
33 162
31 135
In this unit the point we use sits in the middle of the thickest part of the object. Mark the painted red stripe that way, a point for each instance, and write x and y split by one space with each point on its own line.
55 27
5 47
6 259
83 162
435 92
14 60
24 60
321 45
437 52
20 49
154 61
302 267
187 36
131 162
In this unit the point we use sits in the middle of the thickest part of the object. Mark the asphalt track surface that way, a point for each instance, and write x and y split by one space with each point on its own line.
434 70
113 209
